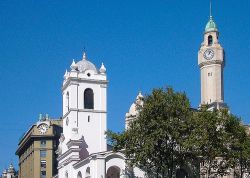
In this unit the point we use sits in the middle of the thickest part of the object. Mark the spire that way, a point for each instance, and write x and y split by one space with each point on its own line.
211 9
84 57
211 25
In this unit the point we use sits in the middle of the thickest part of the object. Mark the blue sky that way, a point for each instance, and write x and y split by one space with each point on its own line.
143 44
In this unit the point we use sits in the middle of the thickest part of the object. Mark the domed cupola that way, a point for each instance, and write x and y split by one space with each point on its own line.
134 109
211 26
85 65
85 70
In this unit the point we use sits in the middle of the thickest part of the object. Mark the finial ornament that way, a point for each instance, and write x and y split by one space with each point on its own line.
66 73
84 57
102 69
40 117
139 99
73 65
139 96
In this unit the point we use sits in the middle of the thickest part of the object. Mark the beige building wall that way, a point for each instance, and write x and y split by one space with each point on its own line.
212 85
30 147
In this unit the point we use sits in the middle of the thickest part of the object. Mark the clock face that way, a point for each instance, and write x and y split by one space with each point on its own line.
43 128
208 54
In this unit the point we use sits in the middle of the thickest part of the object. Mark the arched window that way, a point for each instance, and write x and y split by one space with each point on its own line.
67 100
113 172
87 173
88 99
79 175
210 40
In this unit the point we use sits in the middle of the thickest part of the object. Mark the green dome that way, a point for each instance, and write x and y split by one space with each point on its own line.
211 25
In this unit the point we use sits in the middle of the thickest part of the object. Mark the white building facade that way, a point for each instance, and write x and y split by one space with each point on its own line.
83 150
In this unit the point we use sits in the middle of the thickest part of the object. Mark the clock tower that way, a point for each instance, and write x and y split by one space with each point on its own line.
211 61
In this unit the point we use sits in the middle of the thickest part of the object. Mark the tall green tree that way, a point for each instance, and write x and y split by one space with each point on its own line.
154 141
216 140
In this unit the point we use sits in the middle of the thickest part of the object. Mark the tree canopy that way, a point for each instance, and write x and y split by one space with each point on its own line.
168 136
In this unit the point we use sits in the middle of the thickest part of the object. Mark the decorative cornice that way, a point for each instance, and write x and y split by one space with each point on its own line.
72 80
68 152
99 155
210 62
71 143
83 110
68 161
82 162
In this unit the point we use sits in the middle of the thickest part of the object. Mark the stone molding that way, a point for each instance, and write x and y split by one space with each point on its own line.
83 110
211 62
72 80
68 152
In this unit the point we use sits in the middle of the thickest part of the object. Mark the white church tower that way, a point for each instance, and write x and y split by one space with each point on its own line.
84 93
211 60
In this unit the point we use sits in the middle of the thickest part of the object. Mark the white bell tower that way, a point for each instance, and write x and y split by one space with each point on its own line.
84 93
211 61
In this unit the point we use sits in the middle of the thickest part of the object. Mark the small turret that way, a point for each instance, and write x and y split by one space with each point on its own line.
134 110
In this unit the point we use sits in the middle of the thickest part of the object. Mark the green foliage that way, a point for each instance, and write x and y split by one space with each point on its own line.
168 135
219 140
239 149
208 140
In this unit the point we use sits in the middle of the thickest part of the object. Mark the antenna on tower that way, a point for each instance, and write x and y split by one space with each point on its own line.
210 8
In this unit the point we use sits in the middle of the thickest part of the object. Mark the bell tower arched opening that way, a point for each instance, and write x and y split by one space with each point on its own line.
88 99
210 40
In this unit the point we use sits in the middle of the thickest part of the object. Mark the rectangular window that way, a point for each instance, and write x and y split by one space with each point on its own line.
43 143
210 74
42 153
43 174
43 164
